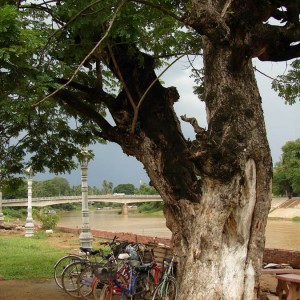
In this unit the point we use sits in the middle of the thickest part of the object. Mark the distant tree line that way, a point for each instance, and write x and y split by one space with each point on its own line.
59 186
286 173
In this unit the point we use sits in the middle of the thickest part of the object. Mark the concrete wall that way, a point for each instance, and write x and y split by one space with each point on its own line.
127 236
281 256
271 255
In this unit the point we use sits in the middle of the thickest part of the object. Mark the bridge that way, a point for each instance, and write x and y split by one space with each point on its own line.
115 198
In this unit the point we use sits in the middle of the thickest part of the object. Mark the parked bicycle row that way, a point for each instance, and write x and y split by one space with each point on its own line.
118 270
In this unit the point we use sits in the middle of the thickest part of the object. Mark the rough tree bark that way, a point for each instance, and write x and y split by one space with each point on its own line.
223 233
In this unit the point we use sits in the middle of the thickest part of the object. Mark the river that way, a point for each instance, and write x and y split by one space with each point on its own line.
279 234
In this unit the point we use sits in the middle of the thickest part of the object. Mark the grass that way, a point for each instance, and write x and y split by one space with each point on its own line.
296 219
27 258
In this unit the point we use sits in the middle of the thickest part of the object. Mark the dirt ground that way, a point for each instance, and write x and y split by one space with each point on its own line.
46 289
42 289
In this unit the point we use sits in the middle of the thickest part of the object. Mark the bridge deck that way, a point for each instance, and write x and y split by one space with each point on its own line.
45 201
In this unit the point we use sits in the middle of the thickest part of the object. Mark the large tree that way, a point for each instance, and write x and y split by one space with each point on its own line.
92 58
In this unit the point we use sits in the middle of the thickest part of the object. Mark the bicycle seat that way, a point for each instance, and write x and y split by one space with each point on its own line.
89 251
123 256
168 259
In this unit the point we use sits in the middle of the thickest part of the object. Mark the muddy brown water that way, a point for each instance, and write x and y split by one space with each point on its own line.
281 234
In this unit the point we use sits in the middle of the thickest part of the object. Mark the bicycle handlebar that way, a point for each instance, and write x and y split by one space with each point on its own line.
110 243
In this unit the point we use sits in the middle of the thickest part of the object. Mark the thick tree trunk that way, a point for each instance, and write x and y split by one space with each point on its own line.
222 236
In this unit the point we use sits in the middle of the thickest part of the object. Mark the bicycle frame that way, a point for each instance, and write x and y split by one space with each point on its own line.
157 270
131 285
166 275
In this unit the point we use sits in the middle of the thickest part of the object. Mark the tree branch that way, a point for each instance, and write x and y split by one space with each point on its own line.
136 111
68 23
121 78
198 130
161 8
86 58
275 43
208 22
75 85
83 109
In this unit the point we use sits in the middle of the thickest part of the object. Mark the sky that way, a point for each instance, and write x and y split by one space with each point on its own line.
111 164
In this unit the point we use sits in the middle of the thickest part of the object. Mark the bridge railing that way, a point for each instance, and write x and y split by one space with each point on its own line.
108 198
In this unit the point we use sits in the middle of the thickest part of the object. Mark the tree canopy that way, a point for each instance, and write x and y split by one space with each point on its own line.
126 188
66 45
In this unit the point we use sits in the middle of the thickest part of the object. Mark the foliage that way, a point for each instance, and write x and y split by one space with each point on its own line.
15 192
146 189
14 212
49 219
150 207
56 186
286 174
32 66
30 258
107 187
288 86
51 135
67 206
126 188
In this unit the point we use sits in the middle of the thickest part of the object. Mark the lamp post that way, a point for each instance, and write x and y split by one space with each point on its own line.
1 214
29 221
85 236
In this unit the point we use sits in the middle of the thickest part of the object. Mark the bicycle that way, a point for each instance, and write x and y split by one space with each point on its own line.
88 273
137 284
72 271
167 288
64 261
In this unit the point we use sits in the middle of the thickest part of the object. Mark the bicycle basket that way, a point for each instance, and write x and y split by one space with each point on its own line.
147 256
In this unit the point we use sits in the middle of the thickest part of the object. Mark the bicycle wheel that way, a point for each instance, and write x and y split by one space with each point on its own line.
166 290
70 277
115 292
61 264
144 286
85 281
107 292
97 286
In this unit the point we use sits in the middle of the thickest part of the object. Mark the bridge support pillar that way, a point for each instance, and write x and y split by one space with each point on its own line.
125 209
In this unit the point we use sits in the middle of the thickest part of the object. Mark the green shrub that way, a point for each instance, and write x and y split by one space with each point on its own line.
149 207
48 220
15 212
296 219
